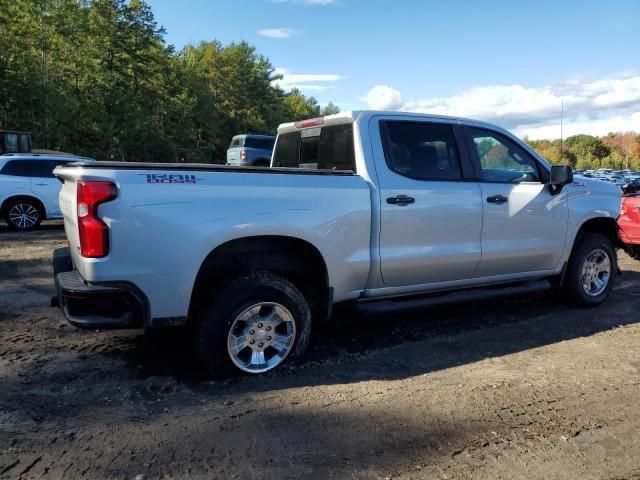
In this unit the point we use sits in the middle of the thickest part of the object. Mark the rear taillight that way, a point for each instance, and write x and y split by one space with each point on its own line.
94 233
243 154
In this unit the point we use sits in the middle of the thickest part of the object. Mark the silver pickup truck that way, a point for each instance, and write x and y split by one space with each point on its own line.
357 207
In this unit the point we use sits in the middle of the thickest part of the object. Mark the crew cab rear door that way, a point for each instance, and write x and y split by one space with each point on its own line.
46 185
525 226
431 207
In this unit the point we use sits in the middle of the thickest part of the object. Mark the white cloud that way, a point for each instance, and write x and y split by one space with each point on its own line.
599 127
307 2
316 82
383 97
595 107
278 32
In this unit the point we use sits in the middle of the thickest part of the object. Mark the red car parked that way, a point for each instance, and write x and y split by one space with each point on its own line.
629 224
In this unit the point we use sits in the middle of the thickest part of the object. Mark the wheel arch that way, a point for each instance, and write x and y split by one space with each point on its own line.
31 197
606 226
261 160
293 258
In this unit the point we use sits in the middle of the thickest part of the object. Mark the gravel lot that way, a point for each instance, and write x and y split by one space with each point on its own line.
518 388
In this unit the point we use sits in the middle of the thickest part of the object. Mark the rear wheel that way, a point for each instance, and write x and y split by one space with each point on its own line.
262 162
591 271
254 325
23 214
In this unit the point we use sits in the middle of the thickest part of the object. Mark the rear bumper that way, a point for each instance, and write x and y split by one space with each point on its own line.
109 305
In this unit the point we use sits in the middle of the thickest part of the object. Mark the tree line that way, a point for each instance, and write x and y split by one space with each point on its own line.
615 150
97 78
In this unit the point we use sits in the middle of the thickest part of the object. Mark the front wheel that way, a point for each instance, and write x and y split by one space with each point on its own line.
254 325
591 271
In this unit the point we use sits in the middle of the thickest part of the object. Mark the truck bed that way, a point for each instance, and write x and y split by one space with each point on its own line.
204 167
167 218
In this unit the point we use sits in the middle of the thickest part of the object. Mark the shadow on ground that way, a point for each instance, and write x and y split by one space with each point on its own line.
37 233
366 346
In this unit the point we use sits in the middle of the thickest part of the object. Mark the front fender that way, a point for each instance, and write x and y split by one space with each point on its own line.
589 200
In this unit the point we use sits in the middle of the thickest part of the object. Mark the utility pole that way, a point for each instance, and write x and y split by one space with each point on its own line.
561 140
45 70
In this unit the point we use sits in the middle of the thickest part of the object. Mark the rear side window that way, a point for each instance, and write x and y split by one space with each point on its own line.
235 143
17 168
31 168
260 143
421 150
322 148
44 168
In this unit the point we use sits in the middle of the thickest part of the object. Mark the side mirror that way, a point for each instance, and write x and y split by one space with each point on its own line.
561 175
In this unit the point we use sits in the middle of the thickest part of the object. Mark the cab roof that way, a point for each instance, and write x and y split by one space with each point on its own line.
352 116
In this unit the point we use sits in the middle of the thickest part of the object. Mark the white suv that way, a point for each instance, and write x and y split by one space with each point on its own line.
28 188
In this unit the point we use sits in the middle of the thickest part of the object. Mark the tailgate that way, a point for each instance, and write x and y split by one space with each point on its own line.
233 155
68 206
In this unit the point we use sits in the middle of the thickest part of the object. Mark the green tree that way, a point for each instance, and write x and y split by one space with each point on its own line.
299 107
586 147
96 77
330 109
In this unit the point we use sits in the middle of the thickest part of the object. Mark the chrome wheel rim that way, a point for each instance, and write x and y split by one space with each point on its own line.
596 272
23 215
261 337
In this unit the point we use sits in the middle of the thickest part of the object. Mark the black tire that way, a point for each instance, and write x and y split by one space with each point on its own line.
262 162
216 319
28 205
572 290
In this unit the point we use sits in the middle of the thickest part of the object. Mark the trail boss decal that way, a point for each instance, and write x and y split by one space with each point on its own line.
170 178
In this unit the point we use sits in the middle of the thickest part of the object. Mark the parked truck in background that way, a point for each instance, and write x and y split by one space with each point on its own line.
357 207
14 142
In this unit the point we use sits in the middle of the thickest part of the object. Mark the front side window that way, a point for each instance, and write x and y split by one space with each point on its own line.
502 160
44 168
421 150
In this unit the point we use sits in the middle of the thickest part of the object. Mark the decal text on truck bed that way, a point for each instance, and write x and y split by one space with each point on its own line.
170 178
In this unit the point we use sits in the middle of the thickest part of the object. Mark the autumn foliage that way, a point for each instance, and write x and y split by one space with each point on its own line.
616 150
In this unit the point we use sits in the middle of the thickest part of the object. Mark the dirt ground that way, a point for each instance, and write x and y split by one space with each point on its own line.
518 388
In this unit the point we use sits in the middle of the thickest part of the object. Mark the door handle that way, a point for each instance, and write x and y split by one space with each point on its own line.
499 199
42 184
400 200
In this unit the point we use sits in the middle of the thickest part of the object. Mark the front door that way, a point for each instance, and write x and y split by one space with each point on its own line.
431 214
525 225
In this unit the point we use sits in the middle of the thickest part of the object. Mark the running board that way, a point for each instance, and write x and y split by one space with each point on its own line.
447 298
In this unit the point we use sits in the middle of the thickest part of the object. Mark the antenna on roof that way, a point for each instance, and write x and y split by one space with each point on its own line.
561 115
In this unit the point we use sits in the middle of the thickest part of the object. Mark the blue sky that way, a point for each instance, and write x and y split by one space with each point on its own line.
510 62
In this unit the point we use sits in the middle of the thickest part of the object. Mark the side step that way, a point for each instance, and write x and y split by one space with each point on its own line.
447 298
